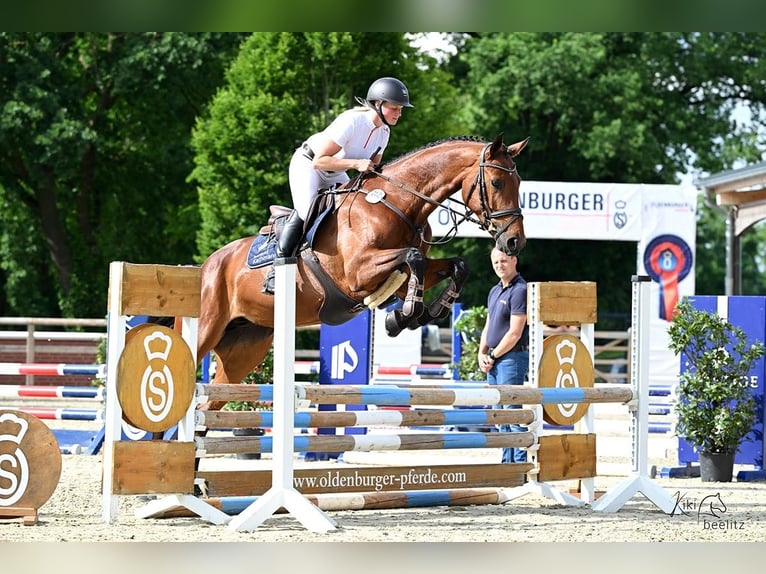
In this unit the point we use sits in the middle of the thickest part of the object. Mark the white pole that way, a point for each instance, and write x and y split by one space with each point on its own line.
639 480
282 492
115 337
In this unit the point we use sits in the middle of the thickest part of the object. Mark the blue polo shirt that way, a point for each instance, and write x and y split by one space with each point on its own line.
501 304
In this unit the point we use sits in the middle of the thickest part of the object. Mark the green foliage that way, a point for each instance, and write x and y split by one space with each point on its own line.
161 147
94 154
283 87
618 107
470 325
263 375
715 407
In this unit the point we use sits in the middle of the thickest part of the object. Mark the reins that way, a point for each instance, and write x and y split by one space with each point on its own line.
455 215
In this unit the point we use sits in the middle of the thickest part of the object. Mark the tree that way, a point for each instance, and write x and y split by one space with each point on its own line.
618 107
282 88
94 153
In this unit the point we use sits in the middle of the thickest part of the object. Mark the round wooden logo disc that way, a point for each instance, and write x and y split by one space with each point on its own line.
30 460
156 377
566 363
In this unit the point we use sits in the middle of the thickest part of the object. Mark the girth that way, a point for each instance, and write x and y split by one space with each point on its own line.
337 307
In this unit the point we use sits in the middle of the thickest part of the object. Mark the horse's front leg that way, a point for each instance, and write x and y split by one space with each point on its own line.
400 319
454 268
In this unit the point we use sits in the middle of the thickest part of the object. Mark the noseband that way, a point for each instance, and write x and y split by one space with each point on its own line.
480 182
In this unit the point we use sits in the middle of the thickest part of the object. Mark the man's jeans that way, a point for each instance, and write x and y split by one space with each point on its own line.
511 369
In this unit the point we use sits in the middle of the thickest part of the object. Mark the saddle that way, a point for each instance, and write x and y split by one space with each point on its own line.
337 307
322 205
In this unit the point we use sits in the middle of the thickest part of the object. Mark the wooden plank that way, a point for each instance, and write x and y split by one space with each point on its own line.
567 302
567 456
160 290
367 478
27 516
742 197
153 467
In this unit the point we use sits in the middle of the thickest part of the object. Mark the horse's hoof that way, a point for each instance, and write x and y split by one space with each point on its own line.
393 328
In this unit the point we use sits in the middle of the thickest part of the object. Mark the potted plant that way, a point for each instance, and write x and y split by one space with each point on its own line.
715 407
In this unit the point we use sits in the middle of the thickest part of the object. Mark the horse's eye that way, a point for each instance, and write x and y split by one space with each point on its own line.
497 183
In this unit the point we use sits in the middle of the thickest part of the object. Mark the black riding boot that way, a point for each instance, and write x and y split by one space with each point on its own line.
291 236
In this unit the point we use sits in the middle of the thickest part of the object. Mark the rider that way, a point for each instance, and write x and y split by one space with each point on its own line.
356 139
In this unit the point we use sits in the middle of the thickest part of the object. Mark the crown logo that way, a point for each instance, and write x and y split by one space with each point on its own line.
22 424
566 351
157 346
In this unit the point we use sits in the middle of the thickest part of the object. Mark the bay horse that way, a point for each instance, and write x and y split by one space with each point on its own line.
367 251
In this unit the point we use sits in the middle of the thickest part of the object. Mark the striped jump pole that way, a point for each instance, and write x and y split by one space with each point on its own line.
52 369
328 419
495 395
366 442
62 414
387 395
233 505
423 370
51 392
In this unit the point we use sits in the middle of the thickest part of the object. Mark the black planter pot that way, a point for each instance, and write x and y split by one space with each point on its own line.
716 466
249 432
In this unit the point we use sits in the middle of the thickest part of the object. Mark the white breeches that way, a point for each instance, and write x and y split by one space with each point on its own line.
305 181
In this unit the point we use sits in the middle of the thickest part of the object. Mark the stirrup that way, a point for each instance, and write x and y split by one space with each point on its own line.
268 282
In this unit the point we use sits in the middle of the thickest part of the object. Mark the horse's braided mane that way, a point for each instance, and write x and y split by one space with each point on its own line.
436 143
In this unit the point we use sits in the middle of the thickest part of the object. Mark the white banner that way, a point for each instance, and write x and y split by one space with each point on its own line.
558 210
660 218
666 254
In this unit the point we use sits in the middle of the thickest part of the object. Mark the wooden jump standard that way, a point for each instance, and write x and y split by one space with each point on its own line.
167 467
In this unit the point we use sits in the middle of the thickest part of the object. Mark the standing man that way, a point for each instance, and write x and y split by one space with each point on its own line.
504 346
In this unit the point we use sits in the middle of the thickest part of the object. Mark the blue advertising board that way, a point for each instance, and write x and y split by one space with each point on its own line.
344 359
749 314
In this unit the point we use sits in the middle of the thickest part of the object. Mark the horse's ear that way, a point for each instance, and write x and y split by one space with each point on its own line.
497 145
516 148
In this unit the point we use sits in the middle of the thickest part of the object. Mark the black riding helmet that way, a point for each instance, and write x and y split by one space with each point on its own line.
388 90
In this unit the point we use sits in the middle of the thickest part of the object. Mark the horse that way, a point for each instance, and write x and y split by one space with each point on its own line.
368 250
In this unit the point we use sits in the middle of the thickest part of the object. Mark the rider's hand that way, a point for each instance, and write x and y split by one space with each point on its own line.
363 165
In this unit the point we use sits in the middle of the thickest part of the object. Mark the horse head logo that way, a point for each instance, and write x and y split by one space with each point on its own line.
712 505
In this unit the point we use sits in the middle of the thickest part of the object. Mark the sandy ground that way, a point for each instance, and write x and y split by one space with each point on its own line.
74 512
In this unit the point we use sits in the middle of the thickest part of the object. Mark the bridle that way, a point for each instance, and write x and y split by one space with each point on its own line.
456 217
481 183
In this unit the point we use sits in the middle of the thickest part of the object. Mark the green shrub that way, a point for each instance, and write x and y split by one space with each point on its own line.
715 407
469 325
